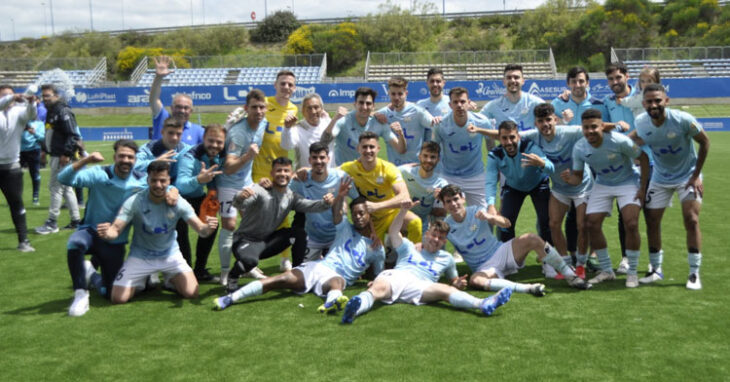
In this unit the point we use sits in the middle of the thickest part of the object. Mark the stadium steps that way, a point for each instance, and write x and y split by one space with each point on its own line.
232 77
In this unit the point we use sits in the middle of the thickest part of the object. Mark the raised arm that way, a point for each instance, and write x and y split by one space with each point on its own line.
338 206
401 193
490 133
396 238
399 143
234 163
162 69
111 231
327 134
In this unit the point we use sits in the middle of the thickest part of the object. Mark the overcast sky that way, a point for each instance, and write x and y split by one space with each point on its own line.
32 18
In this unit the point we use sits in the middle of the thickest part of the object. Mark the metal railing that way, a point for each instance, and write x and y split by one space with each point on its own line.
249 61
678 53
139 70
48 63
457 57
97 74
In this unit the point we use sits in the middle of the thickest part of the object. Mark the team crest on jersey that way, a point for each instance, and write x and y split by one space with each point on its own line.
525 111
407 119
379 180
170 214
611 156
671 135
473 228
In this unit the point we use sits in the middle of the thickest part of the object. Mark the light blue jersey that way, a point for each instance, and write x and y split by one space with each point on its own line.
241 136
521 113
472 238
319 225
423 264
153 149
350 254
618 112
438 109
524 179
33 141
416 125
347 133
189 168
422 190
107 193
560 152
671 144
461 152
578 109
154 225
613 161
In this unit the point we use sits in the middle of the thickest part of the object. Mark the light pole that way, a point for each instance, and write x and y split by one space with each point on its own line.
191 12
122 14
203 12
13 22
53 26
91 16
45 19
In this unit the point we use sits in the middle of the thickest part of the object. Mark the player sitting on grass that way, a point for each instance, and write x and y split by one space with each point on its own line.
490 259
415 277
154 248
350 255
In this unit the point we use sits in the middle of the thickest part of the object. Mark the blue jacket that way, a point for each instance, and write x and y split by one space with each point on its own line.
520 178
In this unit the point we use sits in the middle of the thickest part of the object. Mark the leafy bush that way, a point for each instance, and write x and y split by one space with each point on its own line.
275 28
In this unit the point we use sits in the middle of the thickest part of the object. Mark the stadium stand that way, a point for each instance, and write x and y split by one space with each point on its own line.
477 65
232 76
21 73
677 62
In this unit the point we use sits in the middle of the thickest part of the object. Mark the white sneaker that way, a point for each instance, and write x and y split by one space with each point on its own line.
549 271
457 257
80 305
693 282
632 281
255 273
652 277
623 266
153 281
285 265
602 276
224 277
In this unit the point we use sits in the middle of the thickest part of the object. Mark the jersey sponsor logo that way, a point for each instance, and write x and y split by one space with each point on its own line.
667 150
559 159
611 169
405 133
269 131
428 265
156 230
350 144
357 256
462 148
375 194
422 202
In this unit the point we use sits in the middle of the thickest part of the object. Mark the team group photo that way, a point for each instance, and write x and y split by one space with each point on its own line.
361 225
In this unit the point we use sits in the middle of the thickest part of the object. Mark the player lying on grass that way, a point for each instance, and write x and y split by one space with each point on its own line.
350 255
415 277
154 248
490 259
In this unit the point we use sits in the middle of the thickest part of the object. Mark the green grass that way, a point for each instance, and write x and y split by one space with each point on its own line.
85 120
610 333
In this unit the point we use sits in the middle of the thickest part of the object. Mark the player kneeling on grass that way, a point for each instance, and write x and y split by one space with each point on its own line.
351 253
415 277
154 246
490 259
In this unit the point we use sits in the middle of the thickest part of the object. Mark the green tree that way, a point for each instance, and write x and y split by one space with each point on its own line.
275 28
397 29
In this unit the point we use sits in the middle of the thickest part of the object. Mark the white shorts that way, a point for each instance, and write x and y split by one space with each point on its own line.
225 198
474 188
660 195
404 286
315 276
314 254
135 271
575 200
602 196
502 262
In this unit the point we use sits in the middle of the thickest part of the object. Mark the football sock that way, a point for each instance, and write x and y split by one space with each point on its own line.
554 260
225 241
656 259
568 260
332 295
366 303
254 288
463 300
604 260
633 257
497 284
581 259
694 260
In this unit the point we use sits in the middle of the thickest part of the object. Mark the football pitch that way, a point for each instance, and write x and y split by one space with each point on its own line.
656 332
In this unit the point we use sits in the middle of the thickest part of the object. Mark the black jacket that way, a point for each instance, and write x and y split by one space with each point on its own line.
63 122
